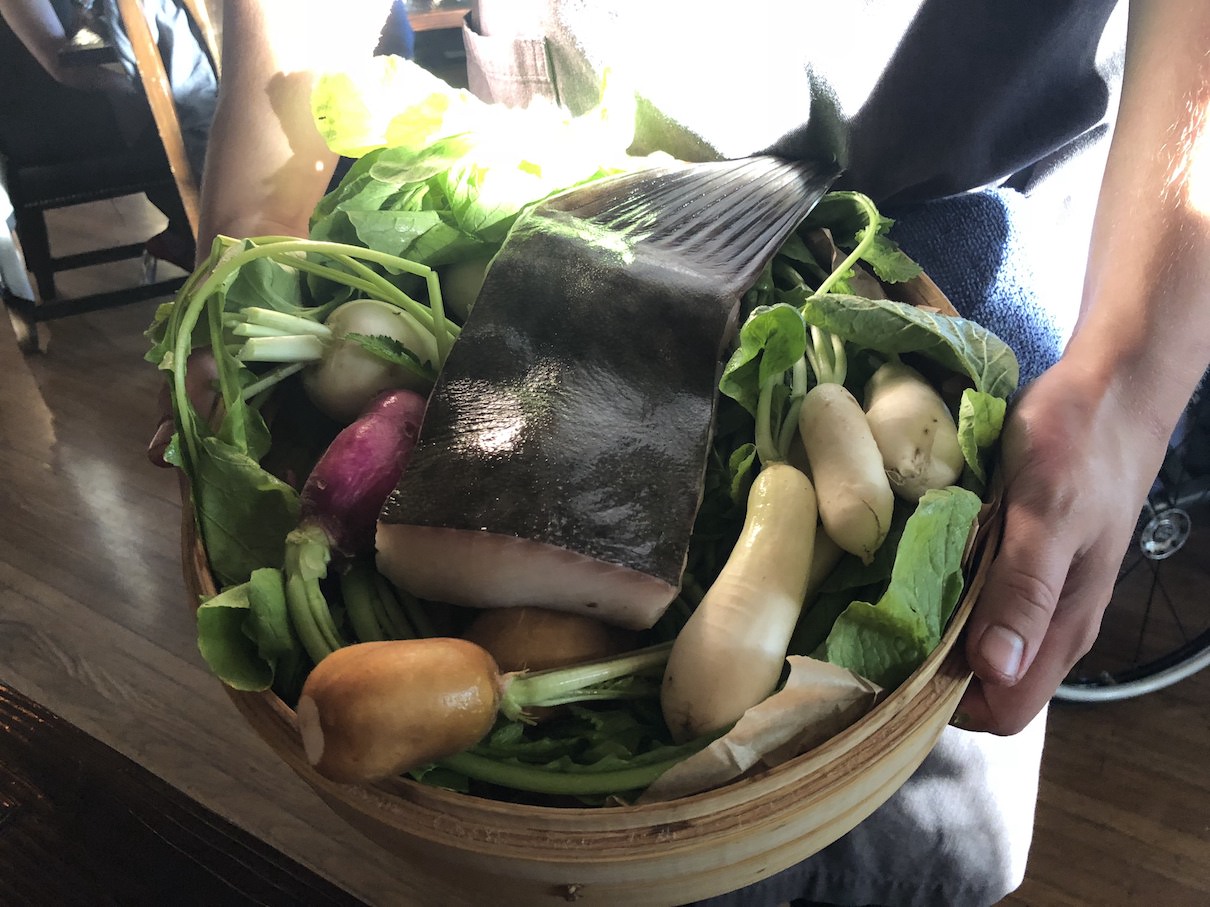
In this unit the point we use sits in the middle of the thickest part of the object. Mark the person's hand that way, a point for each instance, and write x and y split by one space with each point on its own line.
1077 466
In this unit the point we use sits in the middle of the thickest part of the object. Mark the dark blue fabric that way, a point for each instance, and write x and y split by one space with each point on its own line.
397 39
976 92
981 249
191 76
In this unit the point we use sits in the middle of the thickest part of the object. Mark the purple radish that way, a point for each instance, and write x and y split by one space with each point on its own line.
347 487
340 503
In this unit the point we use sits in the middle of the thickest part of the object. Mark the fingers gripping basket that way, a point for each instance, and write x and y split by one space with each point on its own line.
458 849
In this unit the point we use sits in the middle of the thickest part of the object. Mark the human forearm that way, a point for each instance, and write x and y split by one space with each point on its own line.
37 25
266 164
1083 444
1144 330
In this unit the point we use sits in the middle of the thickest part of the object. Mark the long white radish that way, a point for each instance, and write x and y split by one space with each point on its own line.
824 558
729 655
914 430
855 497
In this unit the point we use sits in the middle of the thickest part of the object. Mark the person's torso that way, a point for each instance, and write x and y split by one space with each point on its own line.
915 98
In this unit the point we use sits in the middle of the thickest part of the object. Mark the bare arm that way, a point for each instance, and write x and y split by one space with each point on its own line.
266 165
37 25
1083 444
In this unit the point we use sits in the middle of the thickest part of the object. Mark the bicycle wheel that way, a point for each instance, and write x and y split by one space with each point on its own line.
1156 629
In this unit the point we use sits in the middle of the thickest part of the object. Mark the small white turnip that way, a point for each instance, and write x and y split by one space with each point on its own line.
914 431
348 376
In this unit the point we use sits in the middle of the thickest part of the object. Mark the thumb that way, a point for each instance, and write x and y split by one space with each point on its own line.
1015 609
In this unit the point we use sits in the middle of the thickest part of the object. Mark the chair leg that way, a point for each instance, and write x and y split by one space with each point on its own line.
25 324
35 244
150 268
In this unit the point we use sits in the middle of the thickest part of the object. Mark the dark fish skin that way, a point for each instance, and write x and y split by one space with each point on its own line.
568 420
576 409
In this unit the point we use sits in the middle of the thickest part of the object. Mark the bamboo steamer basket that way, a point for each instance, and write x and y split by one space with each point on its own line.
457 849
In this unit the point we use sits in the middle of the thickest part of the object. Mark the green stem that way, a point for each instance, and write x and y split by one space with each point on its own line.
228 382
298 348
867 240
284 323
393 619
303 620
826 354
536 780
360 598
766 445
830 365
444 330
306 563
558 685
271 378
798 390
413 611
430 318
243 329
839 359
605 694
336 275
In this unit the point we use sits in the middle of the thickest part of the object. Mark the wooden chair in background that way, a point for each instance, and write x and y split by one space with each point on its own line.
60 147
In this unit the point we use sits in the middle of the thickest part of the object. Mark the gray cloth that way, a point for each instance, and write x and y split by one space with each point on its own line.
957 833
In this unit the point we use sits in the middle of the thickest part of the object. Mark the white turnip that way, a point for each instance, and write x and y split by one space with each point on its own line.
461 282
914 429
362 348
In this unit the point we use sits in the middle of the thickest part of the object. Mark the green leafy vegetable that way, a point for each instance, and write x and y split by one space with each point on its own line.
771 341
245 635
441 176
886 641
591 753
891 327
389 102
850 579
243 512
855 223
980 420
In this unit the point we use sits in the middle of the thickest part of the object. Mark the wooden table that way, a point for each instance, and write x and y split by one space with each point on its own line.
80 822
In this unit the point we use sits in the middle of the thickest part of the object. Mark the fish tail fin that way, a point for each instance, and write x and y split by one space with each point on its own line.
724 219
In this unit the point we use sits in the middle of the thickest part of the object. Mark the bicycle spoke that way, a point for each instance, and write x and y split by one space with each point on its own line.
1154 567
1176 617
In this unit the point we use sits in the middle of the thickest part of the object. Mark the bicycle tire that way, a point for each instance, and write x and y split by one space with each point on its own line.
1115 688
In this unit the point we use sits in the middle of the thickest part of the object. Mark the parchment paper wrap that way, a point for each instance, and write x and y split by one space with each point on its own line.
818 701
